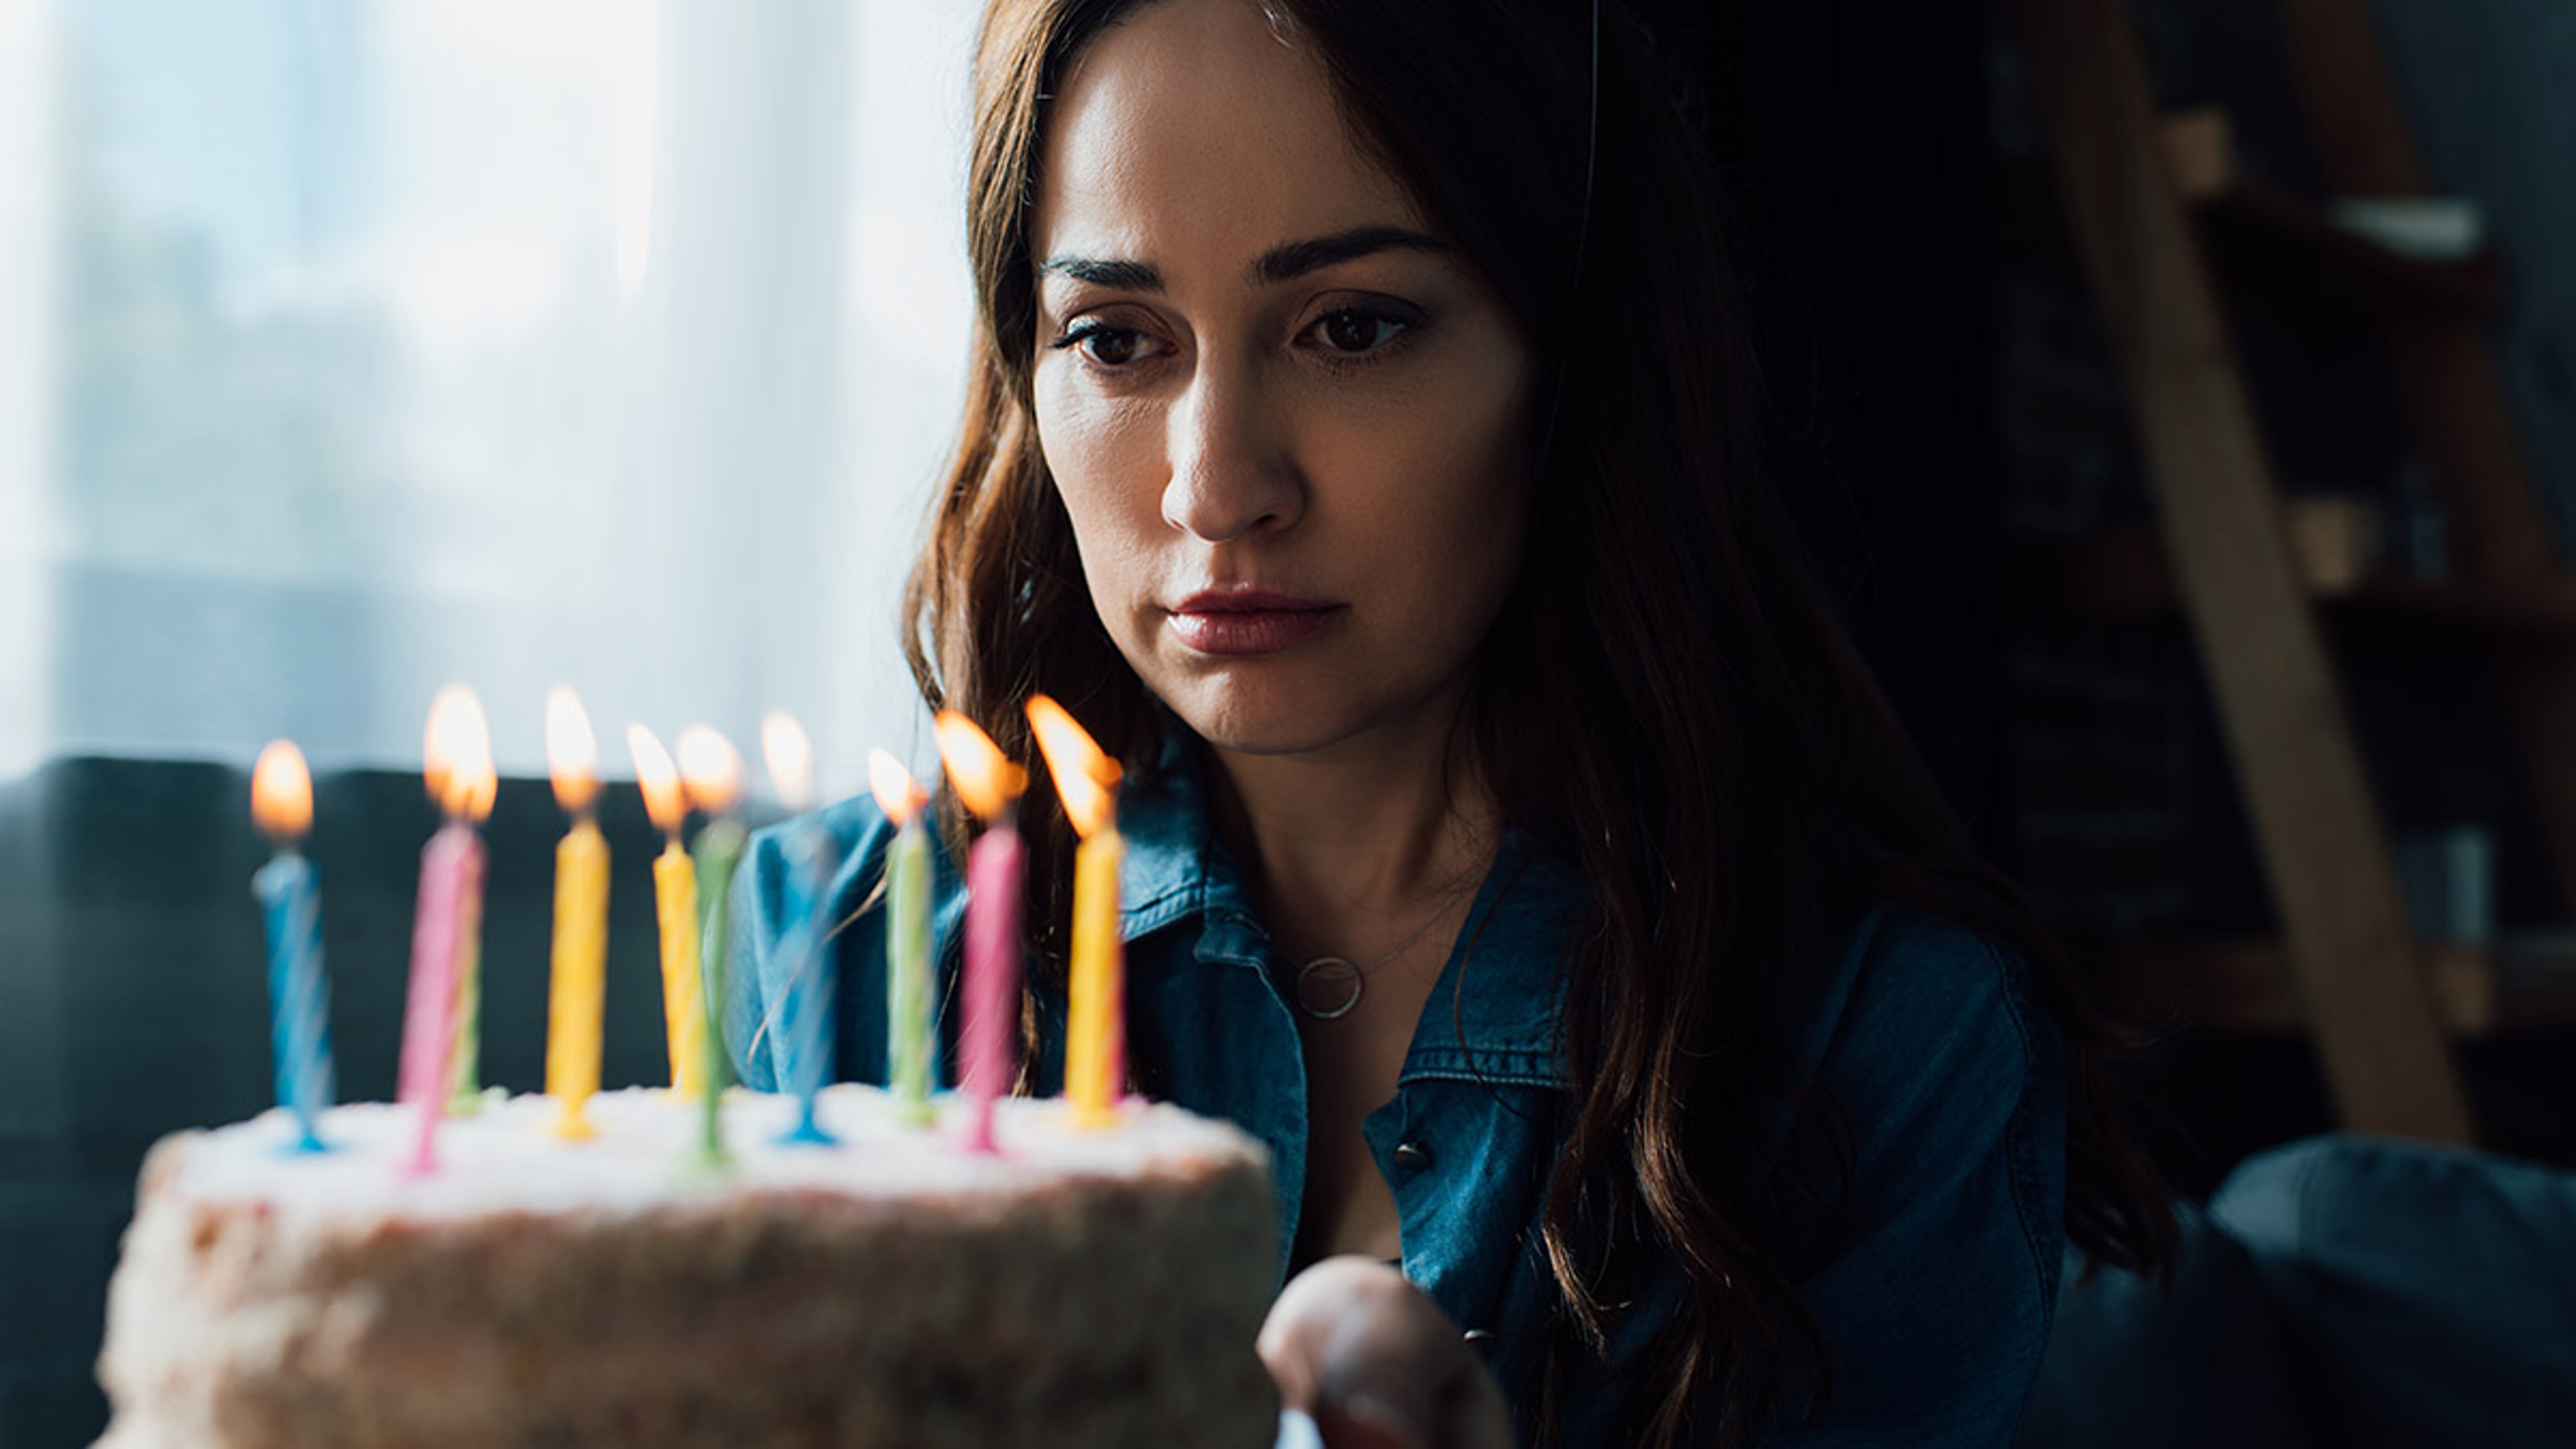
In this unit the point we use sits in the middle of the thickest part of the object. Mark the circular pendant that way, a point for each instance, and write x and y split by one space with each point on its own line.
1327 987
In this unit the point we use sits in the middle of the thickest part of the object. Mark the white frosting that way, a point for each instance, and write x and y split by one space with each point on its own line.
506 1157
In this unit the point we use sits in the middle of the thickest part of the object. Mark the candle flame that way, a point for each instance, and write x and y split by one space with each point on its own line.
659 779
458 747
898 794
791 758
983 778
1083 774
281 793
476 789
572 751
711 767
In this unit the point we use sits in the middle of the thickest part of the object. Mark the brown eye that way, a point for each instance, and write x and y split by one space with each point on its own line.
1110 346
1350 331
1107 347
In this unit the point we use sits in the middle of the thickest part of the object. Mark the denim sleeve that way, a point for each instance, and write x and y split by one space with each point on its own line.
1936 1286
758 926
754 925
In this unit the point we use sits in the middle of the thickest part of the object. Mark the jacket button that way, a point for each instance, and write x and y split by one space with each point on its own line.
1412 1156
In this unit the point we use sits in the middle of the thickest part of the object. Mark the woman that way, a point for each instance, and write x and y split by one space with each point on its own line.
1357 444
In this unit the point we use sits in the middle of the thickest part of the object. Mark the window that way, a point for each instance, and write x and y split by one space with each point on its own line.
353 346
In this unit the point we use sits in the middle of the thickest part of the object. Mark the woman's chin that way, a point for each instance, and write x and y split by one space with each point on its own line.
1283 717
1242 732
1257 717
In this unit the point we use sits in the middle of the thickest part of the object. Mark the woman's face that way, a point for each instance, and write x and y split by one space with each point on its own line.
1287 421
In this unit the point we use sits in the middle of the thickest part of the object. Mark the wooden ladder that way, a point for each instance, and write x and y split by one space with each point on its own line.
2363 978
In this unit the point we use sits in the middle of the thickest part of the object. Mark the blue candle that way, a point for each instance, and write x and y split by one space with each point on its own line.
804 986
290 897
807 997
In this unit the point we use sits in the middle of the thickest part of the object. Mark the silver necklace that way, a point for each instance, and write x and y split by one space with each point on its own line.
1327 987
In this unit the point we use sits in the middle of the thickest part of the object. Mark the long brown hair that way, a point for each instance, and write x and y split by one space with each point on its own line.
1673 707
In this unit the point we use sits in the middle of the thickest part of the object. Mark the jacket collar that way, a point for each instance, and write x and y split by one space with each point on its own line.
1165 872
1493 1014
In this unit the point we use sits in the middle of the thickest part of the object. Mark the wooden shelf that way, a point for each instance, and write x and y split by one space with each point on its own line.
2280 251
2275 254
2517 984
2541 611
2337 556
2281 255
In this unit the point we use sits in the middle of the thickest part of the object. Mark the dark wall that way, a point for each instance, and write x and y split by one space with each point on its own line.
1851 134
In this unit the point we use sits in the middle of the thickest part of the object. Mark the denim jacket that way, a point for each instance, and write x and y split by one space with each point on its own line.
1933 1281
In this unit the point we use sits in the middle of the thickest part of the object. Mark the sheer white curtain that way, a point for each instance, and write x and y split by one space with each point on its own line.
386 342
26 350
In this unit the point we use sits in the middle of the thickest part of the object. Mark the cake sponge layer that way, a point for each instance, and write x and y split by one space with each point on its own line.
1080 1287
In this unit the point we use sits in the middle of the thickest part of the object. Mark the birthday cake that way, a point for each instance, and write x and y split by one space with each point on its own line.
1079 1287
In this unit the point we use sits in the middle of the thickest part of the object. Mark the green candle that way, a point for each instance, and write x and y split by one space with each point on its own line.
465 1052
712 769
908 1048
718 850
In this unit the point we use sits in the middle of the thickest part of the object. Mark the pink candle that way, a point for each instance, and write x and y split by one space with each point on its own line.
990 785
451 869
992 976
449 912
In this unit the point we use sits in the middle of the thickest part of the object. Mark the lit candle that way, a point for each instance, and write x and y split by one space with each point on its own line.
281 804
907 938
675 905
990 786
465 1029
711 768
580 967
802 995
1095 1045
460 775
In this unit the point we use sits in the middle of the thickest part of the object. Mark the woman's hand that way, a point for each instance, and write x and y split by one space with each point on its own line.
1377 1364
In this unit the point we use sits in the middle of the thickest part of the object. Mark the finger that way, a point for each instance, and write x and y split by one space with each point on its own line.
1335 1312
1287 1348
1367 1424
1474 1414
1377 1363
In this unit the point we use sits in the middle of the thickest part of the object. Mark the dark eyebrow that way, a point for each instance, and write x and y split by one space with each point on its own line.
1279 264
1296 259
1117 276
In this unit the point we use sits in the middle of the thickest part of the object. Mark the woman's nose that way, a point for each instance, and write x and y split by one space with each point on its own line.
1231 470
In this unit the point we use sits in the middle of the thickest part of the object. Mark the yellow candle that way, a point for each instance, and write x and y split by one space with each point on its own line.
580 969
684 1004
1091 1066
675 904
580 975
1094 1036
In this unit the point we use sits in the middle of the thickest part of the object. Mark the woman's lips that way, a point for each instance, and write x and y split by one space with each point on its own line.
1249 622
